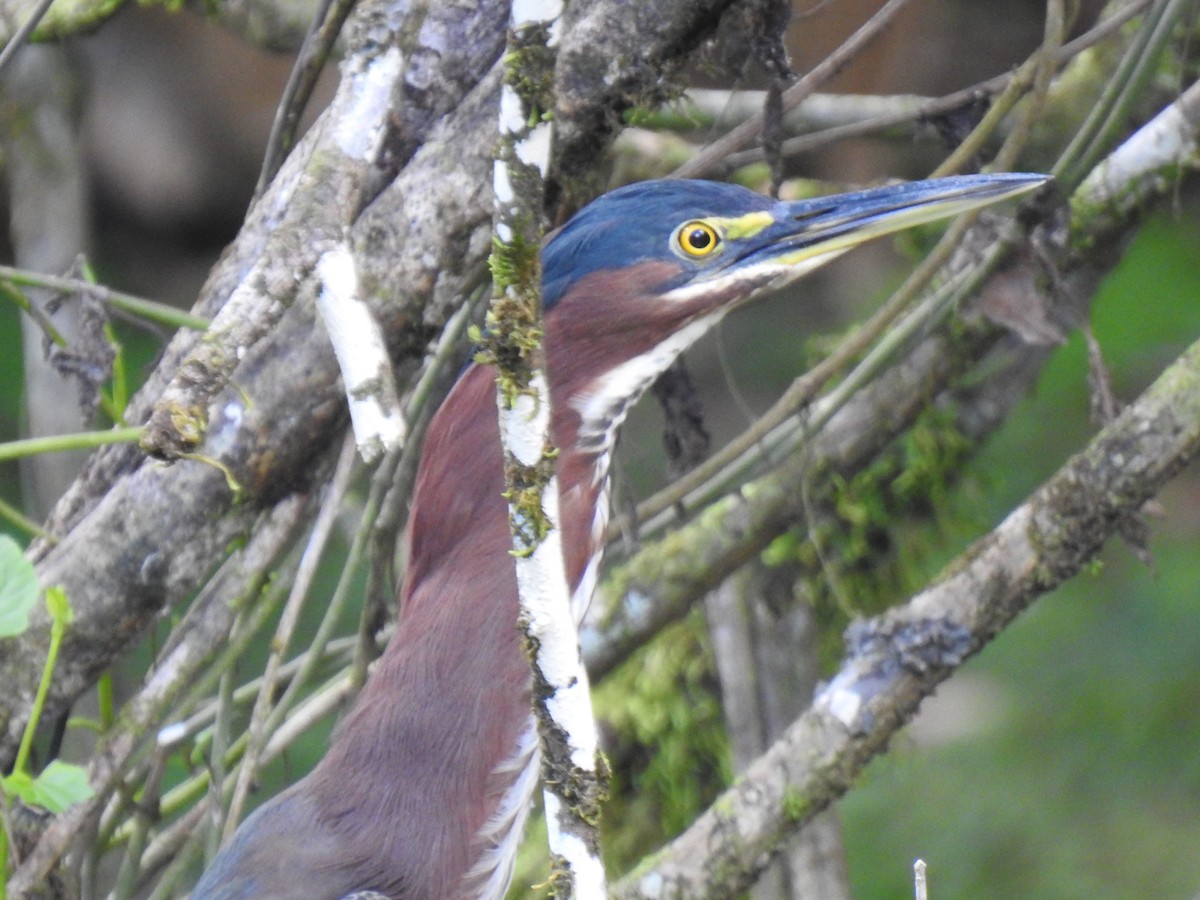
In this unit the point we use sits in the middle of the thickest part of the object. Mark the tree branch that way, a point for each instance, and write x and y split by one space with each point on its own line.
659 584
896 659
418 224
572 767
704 162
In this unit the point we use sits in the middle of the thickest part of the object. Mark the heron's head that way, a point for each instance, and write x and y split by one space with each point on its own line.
642 272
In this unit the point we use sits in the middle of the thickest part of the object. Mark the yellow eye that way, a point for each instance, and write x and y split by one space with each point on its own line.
698 239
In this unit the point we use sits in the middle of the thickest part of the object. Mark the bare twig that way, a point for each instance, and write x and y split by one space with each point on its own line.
322 34
21 35
1120 92
898 658
137 308
301 585
207 628
703 162
907 110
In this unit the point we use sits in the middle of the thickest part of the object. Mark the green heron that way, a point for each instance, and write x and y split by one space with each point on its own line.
425 788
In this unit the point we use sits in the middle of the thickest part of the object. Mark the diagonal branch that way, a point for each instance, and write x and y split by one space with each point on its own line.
898 658
659 584
418 226
703 163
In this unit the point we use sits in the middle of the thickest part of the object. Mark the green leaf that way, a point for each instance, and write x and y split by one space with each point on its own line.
18 588
59 786
59 606
19 785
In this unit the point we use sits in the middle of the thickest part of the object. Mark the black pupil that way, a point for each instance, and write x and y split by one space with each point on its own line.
699 239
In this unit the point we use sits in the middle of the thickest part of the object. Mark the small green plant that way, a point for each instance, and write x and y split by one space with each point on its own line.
59 785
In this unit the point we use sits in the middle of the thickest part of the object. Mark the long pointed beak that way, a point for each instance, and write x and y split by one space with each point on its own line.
805 234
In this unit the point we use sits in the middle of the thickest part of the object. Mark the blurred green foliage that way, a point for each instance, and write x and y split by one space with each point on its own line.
662 709
1068 774
1080 778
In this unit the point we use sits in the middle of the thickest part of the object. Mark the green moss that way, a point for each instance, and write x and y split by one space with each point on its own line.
529 69
664 708
516 263
188 424
527 517
513 329
795 805
66 17
868 548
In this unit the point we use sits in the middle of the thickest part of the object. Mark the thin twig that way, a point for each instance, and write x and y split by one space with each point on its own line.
57 443
315 708
704 161
178 667
18 519
335 653
314 654
136 307
21 35
1121 91
301 585
1045 66
322 34
939 106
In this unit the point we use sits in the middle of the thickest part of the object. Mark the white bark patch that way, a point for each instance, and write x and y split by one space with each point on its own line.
170 735
526 11
841 699
360 131
546 598
1167 140
542 579
535 149
512 119
543 586
586 869
502 186
527 423
361 354
225 428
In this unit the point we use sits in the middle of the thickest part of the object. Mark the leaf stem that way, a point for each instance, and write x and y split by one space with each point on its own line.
19 520
138 307
84 440
59 616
